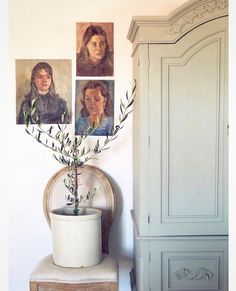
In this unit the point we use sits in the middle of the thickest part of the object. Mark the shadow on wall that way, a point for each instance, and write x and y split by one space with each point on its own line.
115 239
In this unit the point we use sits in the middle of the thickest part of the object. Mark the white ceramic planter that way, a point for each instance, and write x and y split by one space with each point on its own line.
76 240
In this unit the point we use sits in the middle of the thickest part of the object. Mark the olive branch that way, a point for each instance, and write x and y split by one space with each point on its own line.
71 151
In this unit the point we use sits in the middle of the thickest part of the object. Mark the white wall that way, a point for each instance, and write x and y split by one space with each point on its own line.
46 29
4 85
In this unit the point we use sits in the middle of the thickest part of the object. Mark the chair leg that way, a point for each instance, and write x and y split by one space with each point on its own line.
114 287
33 286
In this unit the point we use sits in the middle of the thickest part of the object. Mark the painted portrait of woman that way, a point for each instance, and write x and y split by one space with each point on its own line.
51 108
94 49
94 107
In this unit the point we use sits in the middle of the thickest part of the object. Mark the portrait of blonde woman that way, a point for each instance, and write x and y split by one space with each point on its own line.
94 107
94 49
51 108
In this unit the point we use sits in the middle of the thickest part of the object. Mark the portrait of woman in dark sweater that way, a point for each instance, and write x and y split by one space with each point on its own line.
50 107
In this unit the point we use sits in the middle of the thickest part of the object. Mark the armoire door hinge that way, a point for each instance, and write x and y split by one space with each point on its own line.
227 129
149 218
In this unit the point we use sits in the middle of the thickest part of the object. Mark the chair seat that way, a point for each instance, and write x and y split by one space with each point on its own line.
47 271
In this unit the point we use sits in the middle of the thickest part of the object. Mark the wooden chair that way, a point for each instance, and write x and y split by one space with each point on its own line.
102 277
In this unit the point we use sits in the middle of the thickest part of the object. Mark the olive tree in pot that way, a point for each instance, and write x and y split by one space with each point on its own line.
76 231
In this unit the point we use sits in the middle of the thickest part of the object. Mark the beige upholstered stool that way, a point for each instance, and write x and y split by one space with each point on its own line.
102 277
48 276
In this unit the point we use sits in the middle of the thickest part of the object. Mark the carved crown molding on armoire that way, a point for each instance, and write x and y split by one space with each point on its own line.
170 28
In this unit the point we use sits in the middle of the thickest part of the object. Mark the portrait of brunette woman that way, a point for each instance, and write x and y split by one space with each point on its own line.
50 108
94 58
97 110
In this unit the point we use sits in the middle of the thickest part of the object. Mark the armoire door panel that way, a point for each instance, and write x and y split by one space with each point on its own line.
190 119
189 78
189 264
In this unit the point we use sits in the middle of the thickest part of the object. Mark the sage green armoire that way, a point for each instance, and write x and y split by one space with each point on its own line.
180 148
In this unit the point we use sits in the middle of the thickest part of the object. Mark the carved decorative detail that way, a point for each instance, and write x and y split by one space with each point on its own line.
186 274
194 15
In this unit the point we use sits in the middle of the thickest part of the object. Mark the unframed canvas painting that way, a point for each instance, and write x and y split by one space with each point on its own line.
94 107
49 83
94 45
